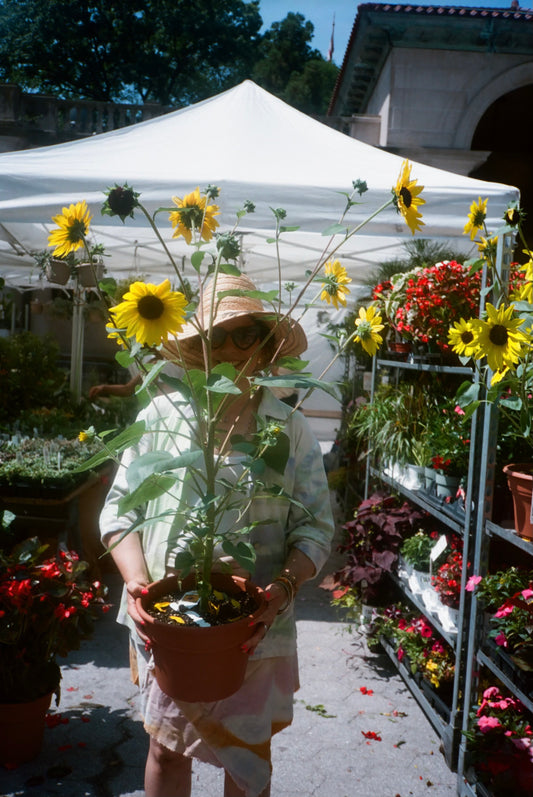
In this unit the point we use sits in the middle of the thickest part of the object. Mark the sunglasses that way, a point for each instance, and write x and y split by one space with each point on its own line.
241 337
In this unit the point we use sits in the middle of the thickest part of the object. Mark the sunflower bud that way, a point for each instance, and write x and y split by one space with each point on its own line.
512 216
121 201
228 245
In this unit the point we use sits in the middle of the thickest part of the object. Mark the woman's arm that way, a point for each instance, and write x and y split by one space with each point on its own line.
129 558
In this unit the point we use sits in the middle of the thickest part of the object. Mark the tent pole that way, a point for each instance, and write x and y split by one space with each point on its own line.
76 351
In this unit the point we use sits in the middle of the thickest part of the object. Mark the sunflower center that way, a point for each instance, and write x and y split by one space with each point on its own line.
467 337
478 218
406 196
364 330
191 216
76 231
498 335
150 307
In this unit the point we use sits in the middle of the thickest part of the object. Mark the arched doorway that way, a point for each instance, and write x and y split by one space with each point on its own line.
505 129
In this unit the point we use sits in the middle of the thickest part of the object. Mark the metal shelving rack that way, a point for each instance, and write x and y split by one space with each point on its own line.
447 724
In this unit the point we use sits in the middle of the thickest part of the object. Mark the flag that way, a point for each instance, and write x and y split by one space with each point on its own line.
331 45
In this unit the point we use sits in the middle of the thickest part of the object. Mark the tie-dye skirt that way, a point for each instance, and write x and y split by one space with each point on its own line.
234 733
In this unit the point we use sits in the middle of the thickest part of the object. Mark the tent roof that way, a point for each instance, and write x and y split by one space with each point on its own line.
253 146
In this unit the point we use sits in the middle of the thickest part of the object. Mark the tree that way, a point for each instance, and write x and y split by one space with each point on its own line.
291 69
168 51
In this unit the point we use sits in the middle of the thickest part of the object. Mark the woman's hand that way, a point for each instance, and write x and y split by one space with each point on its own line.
276 598
134 590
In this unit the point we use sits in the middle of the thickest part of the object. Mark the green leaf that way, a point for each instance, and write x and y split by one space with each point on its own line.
217 383
277 456
335 229
242 552
300 381
292 363
230 268
196 259
184 562
125 439
290 229
154 486
144 466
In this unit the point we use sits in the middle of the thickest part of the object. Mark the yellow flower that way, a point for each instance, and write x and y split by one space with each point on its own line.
500 338
83 436
407 199
462 338
73 225
194 214
476 217
149 312
334 287
368 326
487 247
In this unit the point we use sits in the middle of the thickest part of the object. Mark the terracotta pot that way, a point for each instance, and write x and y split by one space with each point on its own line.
200 665
21 730
520 481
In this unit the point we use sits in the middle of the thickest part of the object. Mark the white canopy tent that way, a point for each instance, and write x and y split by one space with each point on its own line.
253 147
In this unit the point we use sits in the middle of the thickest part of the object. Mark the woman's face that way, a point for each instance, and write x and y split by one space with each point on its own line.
238 341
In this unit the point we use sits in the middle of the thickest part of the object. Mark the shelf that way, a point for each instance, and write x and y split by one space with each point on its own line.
509 535
484 659
451 639
421 366
454 519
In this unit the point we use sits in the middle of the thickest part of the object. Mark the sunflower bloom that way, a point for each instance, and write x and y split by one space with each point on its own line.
194 214
462 338
500 338
476 217
73 225
368 326
407 198
334 288
150 312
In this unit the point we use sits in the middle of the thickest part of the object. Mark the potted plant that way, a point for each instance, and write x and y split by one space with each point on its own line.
372 544
47 605
151 316
447 584
499 744
416 552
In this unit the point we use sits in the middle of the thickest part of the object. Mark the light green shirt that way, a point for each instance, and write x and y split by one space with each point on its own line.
283 524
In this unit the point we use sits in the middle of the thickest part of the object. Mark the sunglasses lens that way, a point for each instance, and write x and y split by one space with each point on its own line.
244 337
218 337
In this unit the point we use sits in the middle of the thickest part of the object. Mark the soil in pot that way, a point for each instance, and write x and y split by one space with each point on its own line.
183 608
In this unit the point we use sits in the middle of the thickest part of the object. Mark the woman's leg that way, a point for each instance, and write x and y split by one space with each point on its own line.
167 774
232 790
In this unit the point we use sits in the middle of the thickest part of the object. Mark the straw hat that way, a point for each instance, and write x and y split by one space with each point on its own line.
289 337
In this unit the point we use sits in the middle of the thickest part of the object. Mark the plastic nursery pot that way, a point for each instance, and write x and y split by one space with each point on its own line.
194 664
520 481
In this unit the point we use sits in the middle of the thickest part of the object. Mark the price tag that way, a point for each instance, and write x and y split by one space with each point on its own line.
438 548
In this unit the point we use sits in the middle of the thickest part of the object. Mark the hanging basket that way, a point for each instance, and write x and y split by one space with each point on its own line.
520 481
200 665
58 271
22 730
89 274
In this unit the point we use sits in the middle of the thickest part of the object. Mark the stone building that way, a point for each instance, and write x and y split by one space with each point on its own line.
448 86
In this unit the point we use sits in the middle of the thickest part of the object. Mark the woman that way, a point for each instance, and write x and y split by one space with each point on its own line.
291 545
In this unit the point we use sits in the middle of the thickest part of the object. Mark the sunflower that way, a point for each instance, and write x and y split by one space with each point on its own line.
499 337
368 326
334 287
407 199
462 338
73 225
149 312
487 247
476 217
194 214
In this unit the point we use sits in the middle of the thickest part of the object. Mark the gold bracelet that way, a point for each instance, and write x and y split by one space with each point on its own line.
286 573
287 587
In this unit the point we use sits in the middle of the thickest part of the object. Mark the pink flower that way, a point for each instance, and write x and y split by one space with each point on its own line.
527 594
487 724
492 691
505 609
472 583
501 640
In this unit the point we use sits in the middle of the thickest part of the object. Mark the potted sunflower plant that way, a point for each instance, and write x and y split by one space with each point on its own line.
209 466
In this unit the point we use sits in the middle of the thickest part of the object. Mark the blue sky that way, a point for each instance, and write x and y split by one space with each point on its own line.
320 13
